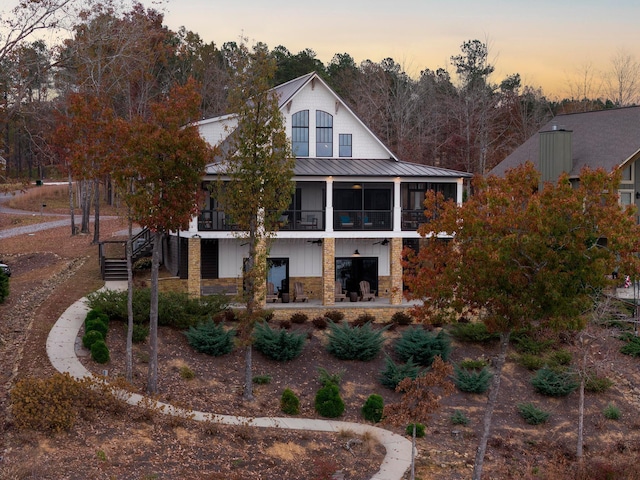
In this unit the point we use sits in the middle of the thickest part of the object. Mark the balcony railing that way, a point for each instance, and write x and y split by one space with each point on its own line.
218 221
362 220
411 219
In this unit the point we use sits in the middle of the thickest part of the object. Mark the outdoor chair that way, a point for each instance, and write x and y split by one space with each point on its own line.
365 291
298 292
272 296
346 221
340 293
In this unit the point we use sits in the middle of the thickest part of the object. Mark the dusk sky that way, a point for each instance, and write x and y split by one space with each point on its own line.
547 42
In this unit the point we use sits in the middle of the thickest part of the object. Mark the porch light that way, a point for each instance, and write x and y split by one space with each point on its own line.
356 253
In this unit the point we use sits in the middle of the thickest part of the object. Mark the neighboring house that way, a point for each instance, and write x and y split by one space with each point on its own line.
355 207
609 139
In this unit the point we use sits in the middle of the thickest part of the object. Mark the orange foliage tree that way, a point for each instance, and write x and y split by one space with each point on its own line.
520 256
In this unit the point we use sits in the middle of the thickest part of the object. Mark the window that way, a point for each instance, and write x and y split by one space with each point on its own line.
625 197
324 134
300 133
627 174
345 144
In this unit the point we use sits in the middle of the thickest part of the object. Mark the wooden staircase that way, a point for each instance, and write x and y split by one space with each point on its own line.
113 255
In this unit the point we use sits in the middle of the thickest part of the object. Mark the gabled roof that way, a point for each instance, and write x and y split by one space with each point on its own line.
604 138
348 167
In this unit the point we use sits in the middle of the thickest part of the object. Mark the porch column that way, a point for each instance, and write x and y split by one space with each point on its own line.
459 191
397 205
395 253
193 259
328 215
328 271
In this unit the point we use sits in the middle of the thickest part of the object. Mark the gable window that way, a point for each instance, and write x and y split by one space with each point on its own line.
627 174
324 134
345 144
300 133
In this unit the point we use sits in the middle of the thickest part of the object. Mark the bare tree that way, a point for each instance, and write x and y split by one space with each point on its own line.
621 82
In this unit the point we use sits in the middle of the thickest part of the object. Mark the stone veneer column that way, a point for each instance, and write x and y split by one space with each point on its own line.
328 271
194 277
395 253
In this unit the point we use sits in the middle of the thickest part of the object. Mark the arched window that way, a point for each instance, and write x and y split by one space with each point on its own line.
300 133
324 134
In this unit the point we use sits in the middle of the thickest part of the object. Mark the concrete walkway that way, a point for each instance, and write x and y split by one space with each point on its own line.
61 349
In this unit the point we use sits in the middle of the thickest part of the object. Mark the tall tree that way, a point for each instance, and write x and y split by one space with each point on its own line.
259 167
621 83
163 160
520 257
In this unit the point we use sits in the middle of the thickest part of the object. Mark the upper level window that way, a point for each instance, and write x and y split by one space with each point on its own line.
627 174
324 134
300 133
345 144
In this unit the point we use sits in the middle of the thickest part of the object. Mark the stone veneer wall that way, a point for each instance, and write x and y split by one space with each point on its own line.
194 278
382 314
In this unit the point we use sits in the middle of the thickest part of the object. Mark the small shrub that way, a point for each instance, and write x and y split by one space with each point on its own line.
267 315
187 373
472 381
373 408
299 318
91 337
261 379
420 429
320 323
423 346
289 402
596 384
611 412
285 324
140 333
96 313
211 338
471 364
325 378
394 373
97 324
531 414
554 384
524 343
472 332
334 315
632 347
142 264
560 357
531 362
459 418
363 319
278 345
401 318
328 402
354 343
100 352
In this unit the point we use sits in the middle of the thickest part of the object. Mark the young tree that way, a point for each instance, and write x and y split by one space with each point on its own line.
163 161
259 167
520 257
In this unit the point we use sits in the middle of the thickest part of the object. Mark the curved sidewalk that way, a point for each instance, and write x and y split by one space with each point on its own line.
61 349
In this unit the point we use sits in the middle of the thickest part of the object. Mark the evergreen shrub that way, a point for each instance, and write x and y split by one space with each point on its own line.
140 333
373 408
328 402
100 352
279 344
459 418
475 332
423 346
211 338
632 347
289 402
261 379
90 338
531 414
611 412
474 364
472 381
531 362
595 384
354 343
420 430
553 383
98 325
523 342
325 378
394 373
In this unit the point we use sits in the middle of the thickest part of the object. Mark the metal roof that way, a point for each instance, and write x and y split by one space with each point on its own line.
604 138
348 167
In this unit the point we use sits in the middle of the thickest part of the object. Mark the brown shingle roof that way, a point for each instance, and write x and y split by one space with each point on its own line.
605 138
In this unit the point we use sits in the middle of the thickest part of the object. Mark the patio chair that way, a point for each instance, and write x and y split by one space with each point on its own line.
346 221
272 296
298 292
340 293
365 291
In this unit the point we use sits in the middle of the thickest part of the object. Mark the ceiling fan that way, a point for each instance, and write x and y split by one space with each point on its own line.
317 242
384 242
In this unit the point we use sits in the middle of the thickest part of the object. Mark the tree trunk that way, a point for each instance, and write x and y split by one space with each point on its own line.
152 378
580 419
248 375
71 206
96 221
129 355
85 206
491 404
